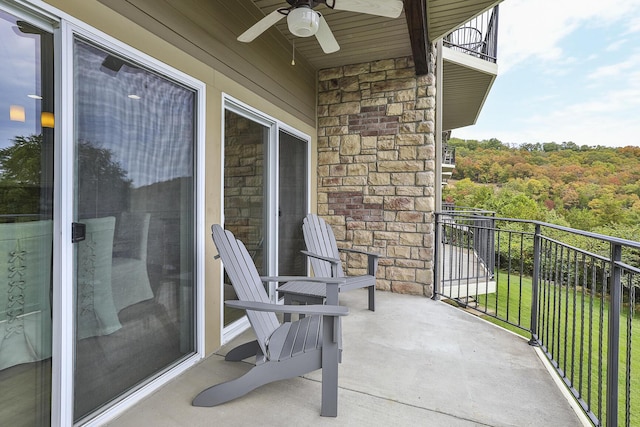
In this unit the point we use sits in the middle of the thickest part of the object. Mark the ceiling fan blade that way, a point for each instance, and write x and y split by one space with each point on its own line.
388 8
325 37
261 26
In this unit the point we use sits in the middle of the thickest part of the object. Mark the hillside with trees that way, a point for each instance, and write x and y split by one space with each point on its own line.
589 188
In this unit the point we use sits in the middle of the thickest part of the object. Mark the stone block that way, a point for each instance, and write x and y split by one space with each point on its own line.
410 139
368 142
349 84
408 288
425 204
383 190
403 178
398 252
372 77
388 155
425 179
357 169
383 65
395 109
411 191
355 69
330 73
401 166
344 108
376 178
329 97
400 273
350 145
410 239
408 153
328 121
337 170
399 203
328 157
426 127
408 116
351 96
393 85
410 216
355 180
405 95
425 103
410 263
362 238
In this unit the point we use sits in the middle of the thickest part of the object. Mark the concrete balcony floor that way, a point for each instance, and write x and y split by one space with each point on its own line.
413 362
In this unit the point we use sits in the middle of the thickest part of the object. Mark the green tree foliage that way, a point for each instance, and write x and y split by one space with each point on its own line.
578 186
103 185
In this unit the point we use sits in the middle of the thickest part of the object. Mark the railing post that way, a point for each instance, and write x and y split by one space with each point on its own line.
614 336
436 258
535 284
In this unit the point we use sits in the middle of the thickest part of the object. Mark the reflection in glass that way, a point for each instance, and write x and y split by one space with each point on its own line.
245 145
26 194
292 205
134 144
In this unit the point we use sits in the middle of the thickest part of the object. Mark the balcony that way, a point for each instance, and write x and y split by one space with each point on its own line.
414 361
448 162
574 293
469 68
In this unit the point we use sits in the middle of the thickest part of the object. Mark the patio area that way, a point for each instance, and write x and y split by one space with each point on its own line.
414 361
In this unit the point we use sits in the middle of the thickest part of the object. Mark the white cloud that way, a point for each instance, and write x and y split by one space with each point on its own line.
533 29
617 70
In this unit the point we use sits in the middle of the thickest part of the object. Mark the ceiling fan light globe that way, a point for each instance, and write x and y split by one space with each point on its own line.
303 22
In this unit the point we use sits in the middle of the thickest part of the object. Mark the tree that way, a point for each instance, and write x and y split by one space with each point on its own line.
20 176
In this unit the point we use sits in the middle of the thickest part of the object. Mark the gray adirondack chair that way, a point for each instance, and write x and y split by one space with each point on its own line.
324 255
284 350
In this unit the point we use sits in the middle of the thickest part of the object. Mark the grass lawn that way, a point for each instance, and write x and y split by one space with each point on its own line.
580 317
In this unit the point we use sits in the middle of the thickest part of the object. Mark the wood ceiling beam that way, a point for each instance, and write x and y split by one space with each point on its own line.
416 13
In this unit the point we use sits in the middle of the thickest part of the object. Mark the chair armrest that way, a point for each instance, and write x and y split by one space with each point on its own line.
327 280
358 251
335 261
322 310
372 259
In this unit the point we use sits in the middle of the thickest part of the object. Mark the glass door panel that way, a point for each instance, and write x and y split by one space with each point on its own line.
245 212
293 204
26 221
134 192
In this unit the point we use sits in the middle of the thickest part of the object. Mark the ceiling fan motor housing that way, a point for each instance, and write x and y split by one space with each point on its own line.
303 21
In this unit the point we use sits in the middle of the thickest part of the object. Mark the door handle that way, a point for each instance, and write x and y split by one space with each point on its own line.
78 232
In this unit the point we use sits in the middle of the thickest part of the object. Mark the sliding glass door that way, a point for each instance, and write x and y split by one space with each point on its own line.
134 143
26 220
265 194
98 272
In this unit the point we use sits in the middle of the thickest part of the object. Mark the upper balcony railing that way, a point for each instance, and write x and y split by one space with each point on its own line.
448 155
575 294
478 37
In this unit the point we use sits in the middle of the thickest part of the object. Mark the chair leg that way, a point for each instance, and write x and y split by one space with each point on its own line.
258 376
287 301
243 351
330 357
372 297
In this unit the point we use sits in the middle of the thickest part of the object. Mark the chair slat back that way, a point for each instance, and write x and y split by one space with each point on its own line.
319 238
246 282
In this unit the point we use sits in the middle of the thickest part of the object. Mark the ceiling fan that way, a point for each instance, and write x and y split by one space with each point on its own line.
304 21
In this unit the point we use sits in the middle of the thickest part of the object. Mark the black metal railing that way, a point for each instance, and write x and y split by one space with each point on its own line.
478 37
574 293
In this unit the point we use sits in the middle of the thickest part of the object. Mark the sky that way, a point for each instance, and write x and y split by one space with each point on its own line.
568 70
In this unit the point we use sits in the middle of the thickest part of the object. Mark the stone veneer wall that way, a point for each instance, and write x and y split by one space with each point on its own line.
376 148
